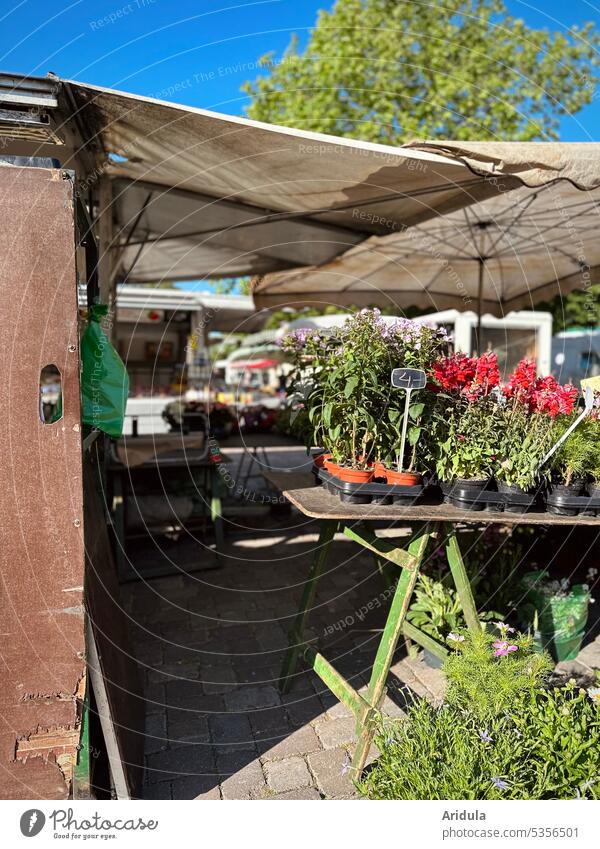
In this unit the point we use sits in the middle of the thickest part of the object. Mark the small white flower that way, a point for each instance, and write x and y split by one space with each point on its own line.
594 694
455 638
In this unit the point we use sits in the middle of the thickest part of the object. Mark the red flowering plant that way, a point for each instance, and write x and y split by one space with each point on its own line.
527 426
462 434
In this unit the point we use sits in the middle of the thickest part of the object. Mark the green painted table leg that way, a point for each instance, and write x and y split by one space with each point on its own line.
296 645
387 647
461 579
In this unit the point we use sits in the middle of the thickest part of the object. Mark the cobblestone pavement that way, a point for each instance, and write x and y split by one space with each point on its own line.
210 646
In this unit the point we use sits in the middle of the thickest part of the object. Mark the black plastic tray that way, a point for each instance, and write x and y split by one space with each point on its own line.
572 505
473 498
370 493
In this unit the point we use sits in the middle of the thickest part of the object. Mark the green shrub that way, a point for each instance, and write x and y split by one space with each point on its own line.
500 734
487 685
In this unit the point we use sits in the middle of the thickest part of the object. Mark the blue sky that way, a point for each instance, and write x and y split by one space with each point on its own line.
197 53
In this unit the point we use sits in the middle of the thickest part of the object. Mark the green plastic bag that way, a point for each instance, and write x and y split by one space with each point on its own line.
104 379
560 620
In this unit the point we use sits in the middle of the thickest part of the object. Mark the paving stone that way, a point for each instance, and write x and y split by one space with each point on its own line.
246 783
194 729
303 709
196 787
590 654
300 742
161 790
228 763
252 698
183 693
231 731
391 709
336 732
287 775
338 711
191 759
271 721
331 772
218 680
432 679
300 793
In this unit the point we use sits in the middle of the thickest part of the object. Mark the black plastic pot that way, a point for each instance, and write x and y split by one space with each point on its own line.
557 501
517 499
465 493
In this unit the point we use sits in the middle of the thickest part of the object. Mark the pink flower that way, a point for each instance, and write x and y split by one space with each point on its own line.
503 648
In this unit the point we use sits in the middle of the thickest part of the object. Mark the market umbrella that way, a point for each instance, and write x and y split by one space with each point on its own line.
509 251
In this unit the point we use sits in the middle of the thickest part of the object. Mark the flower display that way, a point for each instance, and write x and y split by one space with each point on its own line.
464 426
471 377
540 394
503 648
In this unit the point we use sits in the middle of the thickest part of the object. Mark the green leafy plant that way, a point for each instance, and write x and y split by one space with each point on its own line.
343 379
436 609
501 733
487 670
462 438
579 454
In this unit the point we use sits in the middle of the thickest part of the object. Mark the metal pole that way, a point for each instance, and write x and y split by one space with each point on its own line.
481 263
404 427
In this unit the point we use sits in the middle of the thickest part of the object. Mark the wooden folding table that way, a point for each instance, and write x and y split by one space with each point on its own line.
355 521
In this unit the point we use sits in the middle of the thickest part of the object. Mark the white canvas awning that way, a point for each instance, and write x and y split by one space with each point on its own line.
315 218
199 194
507 252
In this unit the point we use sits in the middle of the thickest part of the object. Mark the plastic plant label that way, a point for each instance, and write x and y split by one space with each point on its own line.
409 378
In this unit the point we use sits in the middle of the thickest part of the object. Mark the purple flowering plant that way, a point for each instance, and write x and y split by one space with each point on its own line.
343 379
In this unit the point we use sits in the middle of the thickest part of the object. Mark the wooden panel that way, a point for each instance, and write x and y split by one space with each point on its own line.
320 504
41 542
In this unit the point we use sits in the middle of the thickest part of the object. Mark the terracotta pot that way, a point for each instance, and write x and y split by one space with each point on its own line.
329 464
379 470
354 475
402 478
321 459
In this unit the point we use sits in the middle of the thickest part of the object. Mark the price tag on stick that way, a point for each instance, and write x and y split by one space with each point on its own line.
409 379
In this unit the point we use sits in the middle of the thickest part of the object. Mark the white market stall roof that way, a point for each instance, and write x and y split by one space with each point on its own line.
210 195
323 219
509 251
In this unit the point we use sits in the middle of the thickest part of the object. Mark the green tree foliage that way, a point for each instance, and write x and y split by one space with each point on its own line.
389 71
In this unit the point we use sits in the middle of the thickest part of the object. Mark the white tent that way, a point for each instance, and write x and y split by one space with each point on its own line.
317 218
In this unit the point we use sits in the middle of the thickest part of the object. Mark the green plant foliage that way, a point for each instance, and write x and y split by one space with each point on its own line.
579 455
523 440
523 740
343 379
389 71
435 609
487 685
462 438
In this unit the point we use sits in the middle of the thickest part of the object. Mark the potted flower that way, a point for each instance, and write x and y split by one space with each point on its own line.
526 427
593 487
343 379
463 430
573 461
558 611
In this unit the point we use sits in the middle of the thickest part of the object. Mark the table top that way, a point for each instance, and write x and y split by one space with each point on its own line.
317 503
